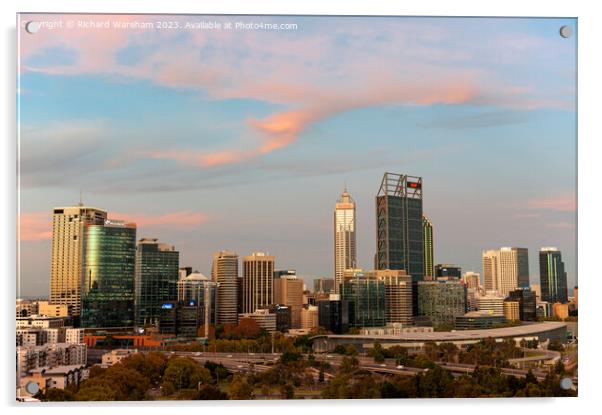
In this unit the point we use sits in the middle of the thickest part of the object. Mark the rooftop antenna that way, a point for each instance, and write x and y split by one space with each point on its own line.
80 198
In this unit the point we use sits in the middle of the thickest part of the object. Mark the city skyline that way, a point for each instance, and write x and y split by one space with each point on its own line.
278 152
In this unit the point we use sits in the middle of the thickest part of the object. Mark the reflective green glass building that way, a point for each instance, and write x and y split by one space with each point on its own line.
552 276
366 297
109 254
155 279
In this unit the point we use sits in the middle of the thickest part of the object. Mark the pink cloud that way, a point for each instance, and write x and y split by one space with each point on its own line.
34 226
182 219
560 203
286 71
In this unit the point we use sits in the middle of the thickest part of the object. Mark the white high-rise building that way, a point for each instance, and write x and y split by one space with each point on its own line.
67 245
257 281
224 271
506 269
345 256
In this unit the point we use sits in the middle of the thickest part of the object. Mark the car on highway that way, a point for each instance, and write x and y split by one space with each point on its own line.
400 367
198 353
229 355
383 365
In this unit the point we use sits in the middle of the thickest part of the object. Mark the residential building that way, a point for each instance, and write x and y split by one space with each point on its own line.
67 264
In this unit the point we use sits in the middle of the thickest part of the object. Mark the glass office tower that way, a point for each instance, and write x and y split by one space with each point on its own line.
399 228
366 297
552 276
109 254
155 279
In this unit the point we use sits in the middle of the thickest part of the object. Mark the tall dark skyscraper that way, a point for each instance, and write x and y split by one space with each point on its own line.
399 228
552 276
109 254
155 279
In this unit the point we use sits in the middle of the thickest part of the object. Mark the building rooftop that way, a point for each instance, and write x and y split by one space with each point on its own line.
516 331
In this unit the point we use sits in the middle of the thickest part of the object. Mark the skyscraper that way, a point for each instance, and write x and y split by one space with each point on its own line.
552 276
109 263
399 228
345 256
399 231
154 280
224 271
258 278
506 269
427 237
67 259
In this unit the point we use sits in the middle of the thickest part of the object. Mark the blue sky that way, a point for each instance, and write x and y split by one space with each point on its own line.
243 140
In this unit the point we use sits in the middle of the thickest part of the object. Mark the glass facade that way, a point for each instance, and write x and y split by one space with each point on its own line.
448 271
441 301
333 315
552 276
399 228
366 301
527 303
109 254
155 279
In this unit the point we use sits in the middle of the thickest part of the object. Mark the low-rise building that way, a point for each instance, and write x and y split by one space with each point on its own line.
477 320
53 377
263 318
116 356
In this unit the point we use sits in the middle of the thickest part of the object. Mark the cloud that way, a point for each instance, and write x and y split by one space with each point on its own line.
566 203
180 219
35 226
314 75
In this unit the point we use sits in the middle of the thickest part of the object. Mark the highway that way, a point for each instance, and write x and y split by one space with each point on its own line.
259 362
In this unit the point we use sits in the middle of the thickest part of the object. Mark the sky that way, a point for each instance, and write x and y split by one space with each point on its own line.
243 139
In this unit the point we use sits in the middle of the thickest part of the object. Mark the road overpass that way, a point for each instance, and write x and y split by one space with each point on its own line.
549 330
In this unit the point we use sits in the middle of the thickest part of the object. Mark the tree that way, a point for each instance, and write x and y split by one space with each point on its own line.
377 352
321 375
184 373
349 364
210 393
555 345
287 391
117 383
288 357
57 395
151 365
240 389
